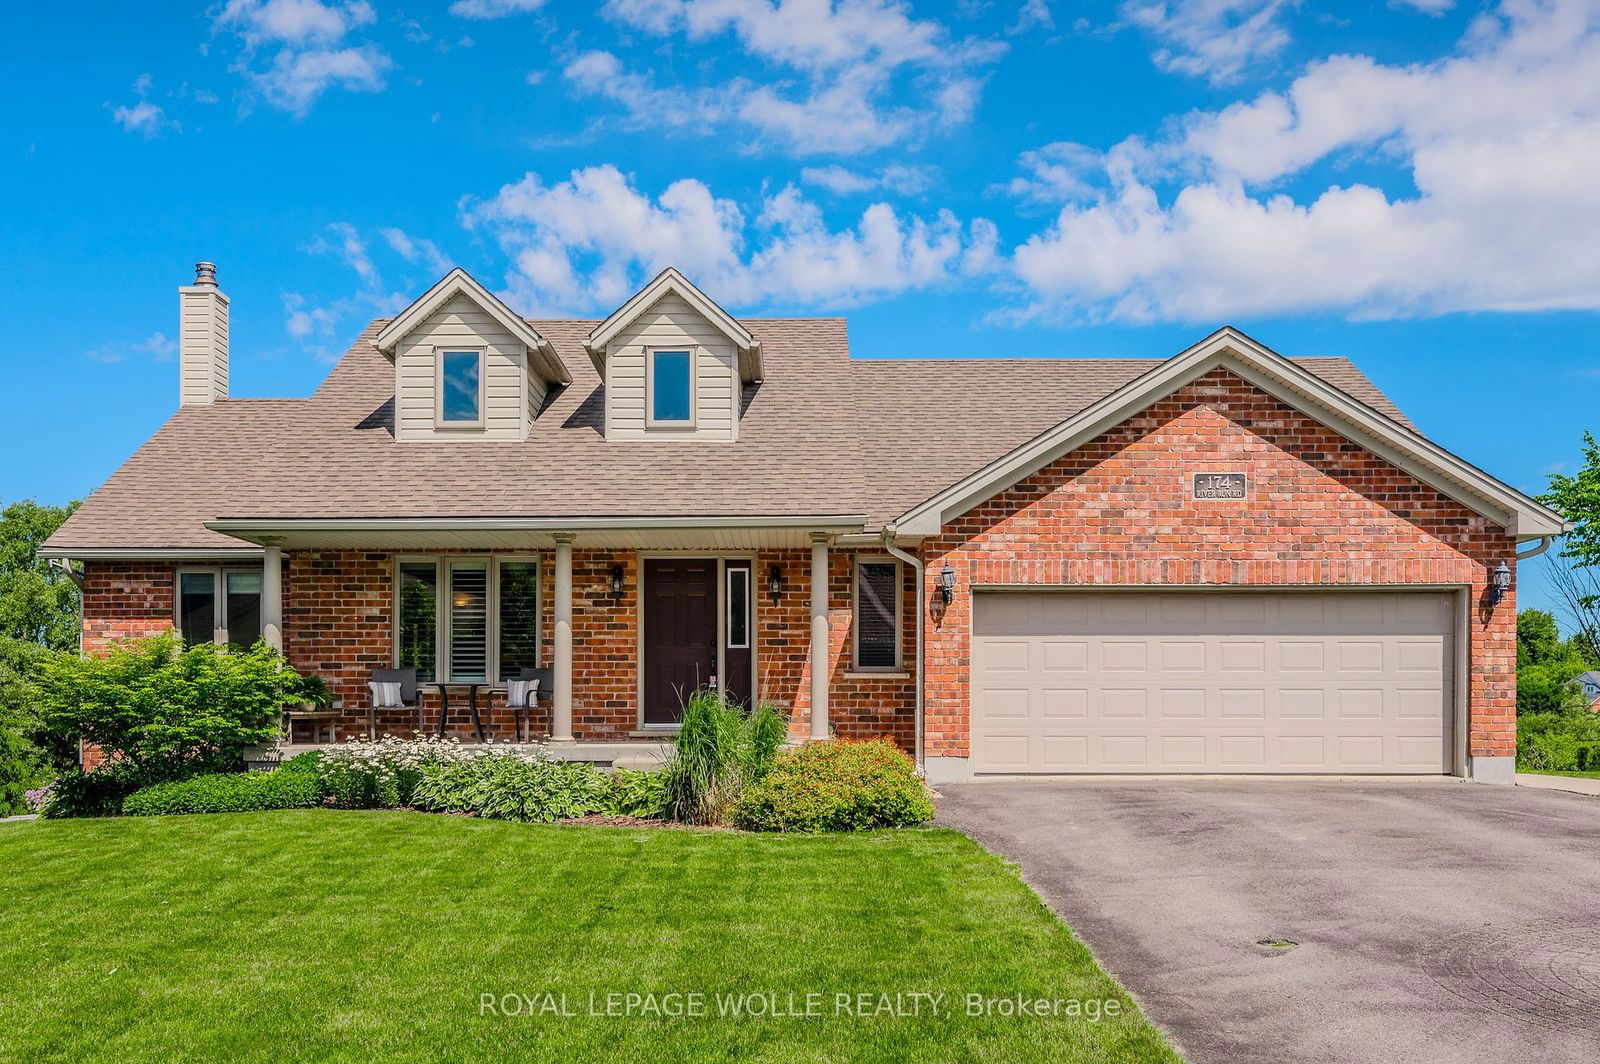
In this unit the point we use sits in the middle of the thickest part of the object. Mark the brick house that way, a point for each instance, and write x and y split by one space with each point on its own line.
1227 561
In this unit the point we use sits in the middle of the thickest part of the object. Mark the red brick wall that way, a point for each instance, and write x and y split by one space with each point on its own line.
860 705
125 600
1322 511
338 622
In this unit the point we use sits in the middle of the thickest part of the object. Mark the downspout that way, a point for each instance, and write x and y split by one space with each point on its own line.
1537 549
917 568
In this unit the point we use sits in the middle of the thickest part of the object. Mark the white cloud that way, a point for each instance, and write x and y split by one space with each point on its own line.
1502 144
293 51
586 243
493 8
416 249
147 119
1214 39
1056 172
900 179
157 346
313 323
1427 7
851 59
302 23
144 118
1034 14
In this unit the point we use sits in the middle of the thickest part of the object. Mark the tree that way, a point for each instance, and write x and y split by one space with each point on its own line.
1577 498
38 616
1538 638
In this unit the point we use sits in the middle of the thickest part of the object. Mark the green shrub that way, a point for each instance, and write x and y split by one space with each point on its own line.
308 762
639 794
168 710
226 792
836 786
512 787
97 793
1566 741
720 749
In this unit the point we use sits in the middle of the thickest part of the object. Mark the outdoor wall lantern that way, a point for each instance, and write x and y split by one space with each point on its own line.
947 584
775 584
1499 583
616 583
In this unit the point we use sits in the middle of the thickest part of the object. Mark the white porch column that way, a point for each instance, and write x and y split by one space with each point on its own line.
819 636
561 697
272 597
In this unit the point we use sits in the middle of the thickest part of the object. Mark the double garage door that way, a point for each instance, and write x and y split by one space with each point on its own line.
1347 682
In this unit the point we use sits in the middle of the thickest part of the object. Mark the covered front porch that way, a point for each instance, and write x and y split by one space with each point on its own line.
619 619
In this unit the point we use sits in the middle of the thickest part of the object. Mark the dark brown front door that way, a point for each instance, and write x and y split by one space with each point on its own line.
680 633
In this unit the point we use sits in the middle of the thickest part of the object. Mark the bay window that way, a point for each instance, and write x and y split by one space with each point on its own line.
467 618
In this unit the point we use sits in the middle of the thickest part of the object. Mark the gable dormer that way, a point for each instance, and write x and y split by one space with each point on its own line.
465 366
673 364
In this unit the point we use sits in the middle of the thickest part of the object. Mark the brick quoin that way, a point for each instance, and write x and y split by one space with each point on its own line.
1322 511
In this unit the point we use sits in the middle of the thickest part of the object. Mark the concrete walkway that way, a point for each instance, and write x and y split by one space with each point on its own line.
1429 922
1575 784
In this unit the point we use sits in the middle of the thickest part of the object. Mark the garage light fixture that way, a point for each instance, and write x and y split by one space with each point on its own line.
1499 583
616 583
775 584
947 584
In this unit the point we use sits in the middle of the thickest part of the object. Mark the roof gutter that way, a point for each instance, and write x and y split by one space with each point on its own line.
919 569
1537 549
152 554
249 525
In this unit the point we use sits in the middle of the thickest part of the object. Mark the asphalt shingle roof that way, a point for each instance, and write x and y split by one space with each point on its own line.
824 434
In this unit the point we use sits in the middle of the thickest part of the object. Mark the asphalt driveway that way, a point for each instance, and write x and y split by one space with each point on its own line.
1435 921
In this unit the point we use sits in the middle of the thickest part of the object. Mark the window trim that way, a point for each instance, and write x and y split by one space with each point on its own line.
439 351
219 595
855 613
748 572
650 353
441 648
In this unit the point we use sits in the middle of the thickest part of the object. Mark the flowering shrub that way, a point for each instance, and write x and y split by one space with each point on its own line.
36 799
836 786
382 774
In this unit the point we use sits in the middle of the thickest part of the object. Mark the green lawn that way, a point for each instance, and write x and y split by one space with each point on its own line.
1552 772
320 934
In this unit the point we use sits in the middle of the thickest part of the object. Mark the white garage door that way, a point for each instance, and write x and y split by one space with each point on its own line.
1348 682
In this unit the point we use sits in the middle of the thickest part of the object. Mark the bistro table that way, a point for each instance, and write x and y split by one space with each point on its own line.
472 704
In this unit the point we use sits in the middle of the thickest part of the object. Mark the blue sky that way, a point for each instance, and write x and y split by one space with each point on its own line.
1410 183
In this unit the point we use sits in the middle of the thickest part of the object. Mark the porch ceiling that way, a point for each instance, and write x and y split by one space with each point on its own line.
400 534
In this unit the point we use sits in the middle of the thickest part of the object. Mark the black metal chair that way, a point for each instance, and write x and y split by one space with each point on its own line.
410 697
546 677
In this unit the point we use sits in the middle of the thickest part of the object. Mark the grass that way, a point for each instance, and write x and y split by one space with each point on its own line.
315 934
1590 775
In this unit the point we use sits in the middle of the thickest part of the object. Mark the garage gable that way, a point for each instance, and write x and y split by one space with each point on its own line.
1231 350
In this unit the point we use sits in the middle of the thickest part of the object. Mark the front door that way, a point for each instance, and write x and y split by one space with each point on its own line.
680 633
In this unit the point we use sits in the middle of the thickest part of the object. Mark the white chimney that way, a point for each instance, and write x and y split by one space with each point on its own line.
202 338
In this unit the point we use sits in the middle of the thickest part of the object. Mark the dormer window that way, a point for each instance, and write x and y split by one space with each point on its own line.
460 388
670 384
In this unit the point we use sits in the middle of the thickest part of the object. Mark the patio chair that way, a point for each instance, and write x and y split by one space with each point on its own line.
410 697
546 678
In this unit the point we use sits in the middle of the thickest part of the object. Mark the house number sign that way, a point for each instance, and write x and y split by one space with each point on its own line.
1219 485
